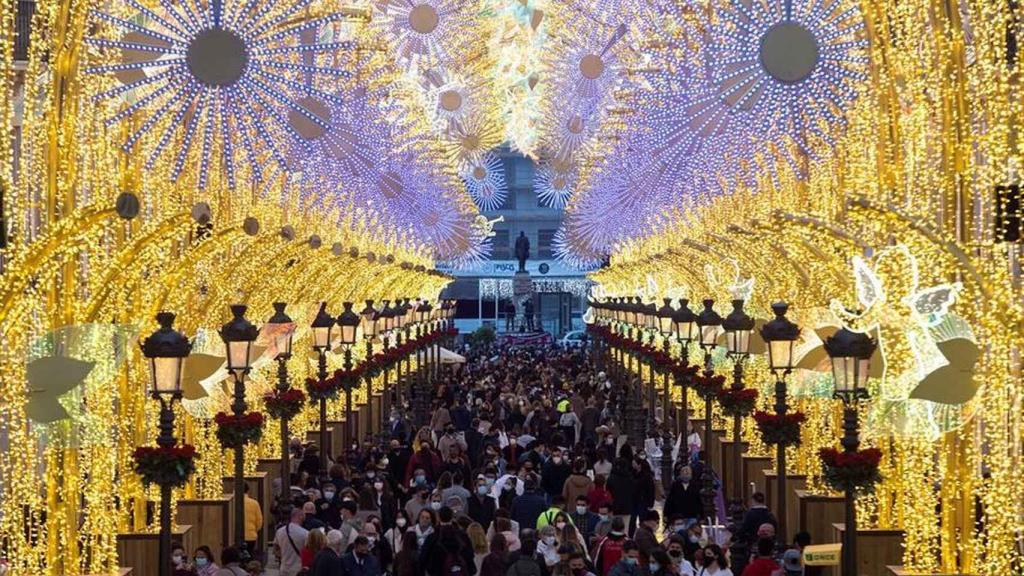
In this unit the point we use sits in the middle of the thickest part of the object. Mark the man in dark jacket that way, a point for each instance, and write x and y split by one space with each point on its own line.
446 545
584 520
645 539
684 496
528 507
359 562
756 515
623 486
554 473
481 505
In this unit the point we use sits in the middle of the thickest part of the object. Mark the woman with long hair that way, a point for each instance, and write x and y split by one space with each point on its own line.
315 542
478 539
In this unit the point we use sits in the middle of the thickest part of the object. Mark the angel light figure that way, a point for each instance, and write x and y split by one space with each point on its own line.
922 385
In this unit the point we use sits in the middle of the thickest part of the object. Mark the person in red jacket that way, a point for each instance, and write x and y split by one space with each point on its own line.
598 495
609 550
764 564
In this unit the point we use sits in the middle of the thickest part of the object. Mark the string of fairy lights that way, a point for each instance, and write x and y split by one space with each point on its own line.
821 147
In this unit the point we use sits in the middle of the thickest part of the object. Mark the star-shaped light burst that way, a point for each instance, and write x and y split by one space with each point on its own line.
221 76
485 182
426 32
554 182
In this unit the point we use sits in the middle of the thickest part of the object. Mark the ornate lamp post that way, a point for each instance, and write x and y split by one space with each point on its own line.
666 325
166 351
349 323
323 326
284 330
238 335
368 325
423 313
850 353
708 322
738 327
780 334
686 331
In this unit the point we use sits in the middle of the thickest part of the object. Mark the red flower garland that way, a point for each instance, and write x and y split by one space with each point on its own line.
782 430
707 386
737 402
284 405
857 470
237 431
165 465
318 389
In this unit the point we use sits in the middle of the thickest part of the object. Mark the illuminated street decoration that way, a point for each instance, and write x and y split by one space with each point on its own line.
485 182
425 33
224 74
909 321
554 183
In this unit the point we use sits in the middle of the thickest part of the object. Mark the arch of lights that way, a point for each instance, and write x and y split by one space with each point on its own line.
303 150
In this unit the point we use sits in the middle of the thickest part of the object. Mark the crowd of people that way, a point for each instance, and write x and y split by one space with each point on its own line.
522 470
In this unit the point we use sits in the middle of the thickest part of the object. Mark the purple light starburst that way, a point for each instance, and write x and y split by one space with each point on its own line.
554 182
485 182
218 77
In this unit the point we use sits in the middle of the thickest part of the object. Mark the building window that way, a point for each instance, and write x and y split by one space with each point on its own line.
510 200
501 246
544 240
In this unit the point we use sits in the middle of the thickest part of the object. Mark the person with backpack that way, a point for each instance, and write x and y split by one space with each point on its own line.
448 551
610 549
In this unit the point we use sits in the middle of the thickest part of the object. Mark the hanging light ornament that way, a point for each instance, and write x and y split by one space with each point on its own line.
229 72
426 33
486 184
554 182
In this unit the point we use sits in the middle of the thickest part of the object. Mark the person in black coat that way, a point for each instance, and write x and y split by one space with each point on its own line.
684 496
326 563
554 474
622 484
474 443
359 562
756 515
527 508
446 541
481 505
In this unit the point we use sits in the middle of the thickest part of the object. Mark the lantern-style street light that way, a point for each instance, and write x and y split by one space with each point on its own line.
850 353
238 336
349 323
686 331
738 327
166 351
708 323
780 334
284 330
323 332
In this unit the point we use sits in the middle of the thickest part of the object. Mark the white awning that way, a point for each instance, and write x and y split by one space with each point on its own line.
449 357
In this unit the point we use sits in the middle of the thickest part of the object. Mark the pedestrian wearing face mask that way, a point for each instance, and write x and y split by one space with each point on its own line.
449 440
328 508
675 546
610 549
629 565
714 563
203 562
526 509
481 505
378 547
359 561
554 474
547 548
584 520
393 534
179 561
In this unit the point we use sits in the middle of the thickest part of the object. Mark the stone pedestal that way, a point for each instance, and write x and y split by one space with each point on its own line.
140 551
259 490
876 549
210 520
521 285
729 448
792 511
817 514
314 437
753 467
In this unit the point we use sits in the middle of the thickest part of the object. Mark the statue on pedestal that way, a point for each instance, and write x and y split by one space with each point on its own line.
522 250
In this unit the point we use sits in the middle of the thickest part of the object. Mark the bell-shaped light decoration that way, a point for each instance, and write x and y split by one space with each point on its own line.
322 327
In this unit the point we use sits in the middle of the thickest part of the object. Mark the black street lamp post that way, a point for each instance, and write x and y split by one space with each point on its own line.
166 351
323 327
780 334
850 353
349 322
284 330
686 331
738 327
709 322
238 336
